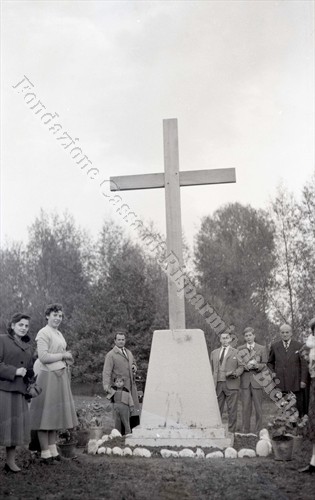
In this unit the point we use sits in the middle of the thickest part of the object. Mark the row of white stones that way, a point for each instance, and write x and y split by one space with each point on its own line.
97 446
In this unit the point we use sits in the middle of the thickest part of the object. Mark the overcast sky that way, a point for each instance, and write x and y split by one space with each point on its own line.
238 76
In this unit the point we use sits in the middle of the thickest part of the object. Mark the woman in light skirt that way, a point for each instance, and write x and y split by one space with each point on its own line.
54 409
16 362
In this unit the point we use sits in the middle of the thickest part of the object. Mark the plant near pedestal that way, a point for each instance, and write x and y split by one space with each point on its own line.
287 423
66 436
92 414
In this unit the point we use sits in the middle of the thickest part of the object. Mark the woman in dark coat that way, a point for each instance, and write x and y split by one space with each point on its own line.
16 362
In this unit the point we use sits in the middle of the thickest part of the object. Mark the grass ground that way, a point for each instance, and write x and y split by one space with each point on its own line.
124 478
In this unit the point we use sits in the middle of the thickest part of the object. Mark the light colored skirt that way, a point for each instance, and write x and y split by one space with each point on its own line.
14 419
54 408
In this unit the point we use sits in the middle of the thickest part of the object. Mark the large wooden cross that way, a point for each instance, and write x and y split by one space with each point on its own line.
171 180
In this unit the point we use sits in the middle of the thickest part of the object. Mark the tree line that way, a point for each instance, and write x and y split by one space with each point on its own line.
255 267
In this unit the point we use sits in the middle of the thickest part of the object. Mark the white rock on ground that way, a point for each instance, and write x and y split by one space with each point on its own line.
169 453
105 438
174 454
127 452
117 451
230 452
108 451
114 434
92 446
141 452
264 434
101 450
263 448
215 454
146 453
199 453
186 453
165 453
246 452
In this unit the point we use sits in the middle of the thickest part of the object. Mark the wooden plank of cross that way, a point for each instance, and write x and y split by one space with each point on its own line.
172 179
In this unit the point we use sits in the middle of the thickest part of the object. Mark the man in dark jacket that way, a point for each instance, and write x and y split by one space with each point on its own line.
289 366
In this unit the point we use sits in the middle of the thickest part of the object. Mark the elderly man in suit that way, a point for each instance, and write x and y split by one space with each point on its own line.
254 357
289 366
226 375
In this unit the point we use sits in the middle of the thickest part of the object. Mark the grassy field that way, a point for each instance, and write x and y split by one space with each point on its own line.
124 478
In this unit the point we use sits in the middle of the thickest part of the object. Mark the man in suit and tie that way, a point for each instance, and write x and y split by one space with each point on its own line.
120 362
226 375
289 366
254 357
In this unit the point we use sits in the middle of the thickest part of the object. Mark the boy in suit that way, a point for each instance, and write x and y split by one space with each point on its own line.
254 357
226 375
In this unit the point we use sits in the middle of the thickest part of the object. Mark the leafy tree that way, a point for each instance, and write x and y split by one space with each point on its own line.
56 264
306 250
14 295
123 294
234 257
293 295
283 297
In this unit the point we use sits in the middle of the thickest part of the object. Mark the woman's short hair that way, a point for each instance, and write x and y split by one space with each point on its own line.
53 308
15 319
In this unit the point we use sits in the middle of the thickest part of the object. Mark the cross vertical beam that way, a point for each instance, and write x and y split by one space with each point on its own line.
176 304
172 179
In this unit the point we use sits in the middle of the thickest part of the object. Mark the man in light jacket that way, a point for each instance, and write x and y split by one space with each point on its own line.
120 362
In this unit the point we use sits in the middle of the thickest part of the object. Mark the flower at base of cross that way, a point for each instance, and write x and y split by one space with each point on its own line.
92 414
66 436
287 422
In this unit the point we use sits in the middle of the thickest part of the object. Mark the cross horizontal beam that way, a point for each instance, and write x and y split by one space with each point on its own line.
186 178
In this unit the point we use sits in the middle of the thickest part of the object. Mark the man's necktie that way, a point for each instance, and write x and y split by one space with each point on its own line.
124 352
222 355
286 345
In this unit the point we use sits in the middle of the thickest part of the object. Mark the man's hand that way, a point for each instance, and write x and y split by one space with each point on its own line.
252 364
302 385
106 388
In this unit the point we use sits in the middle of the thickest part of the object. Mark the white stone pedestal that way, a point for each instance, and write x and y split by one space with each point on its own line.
180 404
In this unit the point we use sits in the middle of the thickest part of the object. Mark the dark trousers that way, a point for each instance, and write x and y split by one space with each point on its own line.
251 397
230 396
300 403
121 417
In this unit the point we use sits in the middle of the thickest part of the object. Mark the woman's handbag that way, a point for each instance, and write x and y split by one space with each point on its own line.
33 389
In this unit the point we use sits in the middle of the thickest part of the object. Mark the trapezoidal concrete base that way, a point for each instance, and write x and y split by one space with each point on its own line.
180 405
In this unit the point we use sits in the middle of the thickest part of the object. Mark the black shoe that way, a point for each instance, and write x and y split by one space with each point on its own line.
58 458
47 461
309 469
7 468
